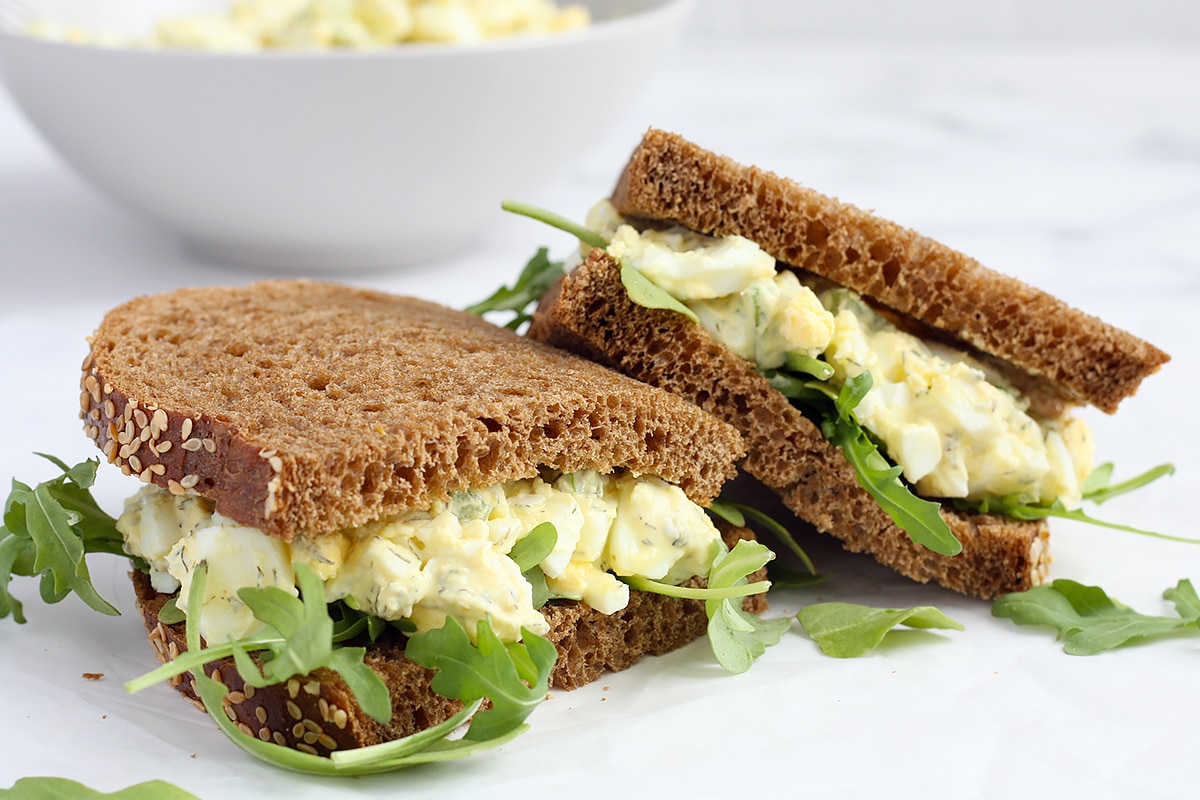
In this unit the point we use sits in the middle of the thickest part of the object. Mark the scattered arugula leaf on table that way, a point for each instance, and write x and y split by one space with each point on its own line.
47 788
848 630
1088 621
522 297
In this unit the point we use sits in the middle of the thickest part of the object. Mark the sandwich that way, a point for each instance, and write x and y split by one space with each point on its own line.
391 462
896 394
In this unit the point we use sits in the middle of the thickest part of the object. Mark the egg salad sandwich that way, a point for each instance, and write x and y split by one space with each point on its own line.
329 466
895 393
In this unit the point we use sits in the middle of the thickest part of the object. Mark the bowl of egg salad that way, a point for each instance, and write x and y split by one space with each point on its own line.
320 135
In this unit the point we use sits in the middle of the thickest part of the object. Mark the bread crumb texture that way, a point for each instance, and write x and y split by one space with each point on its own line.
1082 358
305 406
590 313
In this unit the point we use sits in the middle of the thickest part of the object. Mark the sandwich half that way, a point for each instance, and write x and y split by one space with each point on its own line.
399 450
779 294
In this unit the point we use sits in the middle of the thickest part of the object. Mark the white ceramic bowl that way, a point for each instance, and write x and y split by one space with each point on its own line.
322 161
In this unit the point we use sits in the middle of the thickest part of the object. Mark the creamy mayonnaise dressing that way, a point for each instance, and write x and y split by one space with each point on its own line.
955 431
449 560
251 25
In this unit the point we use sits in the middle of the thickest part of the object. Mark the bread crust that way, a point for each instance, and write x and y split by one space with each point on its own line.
318 714
590 313
1071 355
302 406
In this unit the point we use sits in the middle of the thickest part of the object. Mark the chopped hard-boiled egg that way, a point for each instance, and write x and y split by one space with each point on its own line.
448 561
955 430
252 25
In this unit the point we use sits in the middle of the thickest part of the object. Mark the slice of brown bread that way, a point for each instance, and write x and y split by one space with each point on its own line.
302 406
318 714
590 313
1077 356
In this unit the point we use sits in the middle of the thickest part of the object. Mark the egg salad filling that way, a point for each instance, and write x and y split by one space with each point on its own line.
253 25
955 430
450 560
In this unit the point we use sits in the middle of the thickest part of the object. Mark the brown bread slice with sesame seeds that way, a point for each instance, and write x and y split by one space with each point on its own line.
590 313
318 714
1066 355
304 406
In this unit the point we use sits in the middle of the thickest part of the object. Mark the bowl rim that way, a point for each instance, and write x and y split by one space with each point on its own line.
612 27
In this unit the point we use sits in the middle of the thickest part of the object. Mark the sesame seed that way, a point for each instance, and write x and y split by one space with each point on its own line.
311 738
94 415
158 469
307 748
160 420
327 741
185 430
244 728
188 482
264 733
293 687
297 730
276 463
135 463
87 362
140 418
93 387
108 388
250 690
340 718
294 710
210 445
146 434
110 409
313 687
261 713
145 475
191 445
174 488
91 431
279 738
312 726
236 698
84 402
229 712
324 706
110 450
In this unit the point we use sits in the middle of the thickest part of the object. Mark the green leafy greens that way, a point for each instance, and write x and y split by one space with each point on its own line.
48 530
501 670
1088 621
1096 489
849 630
55 788
539 274
921 519
737 637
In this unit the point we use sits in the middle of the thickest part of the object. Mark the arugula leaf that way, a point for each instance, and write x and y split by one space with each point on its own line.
764 520
533 547
48 531
919 518
515 677
45 788
737 638
646 293
539 275
805 364
1088 621
848 630
580 232
1096 488
427 746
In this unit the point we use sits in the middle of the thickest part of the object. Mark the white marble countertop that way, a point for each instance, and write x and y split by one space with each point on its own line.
1076 168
